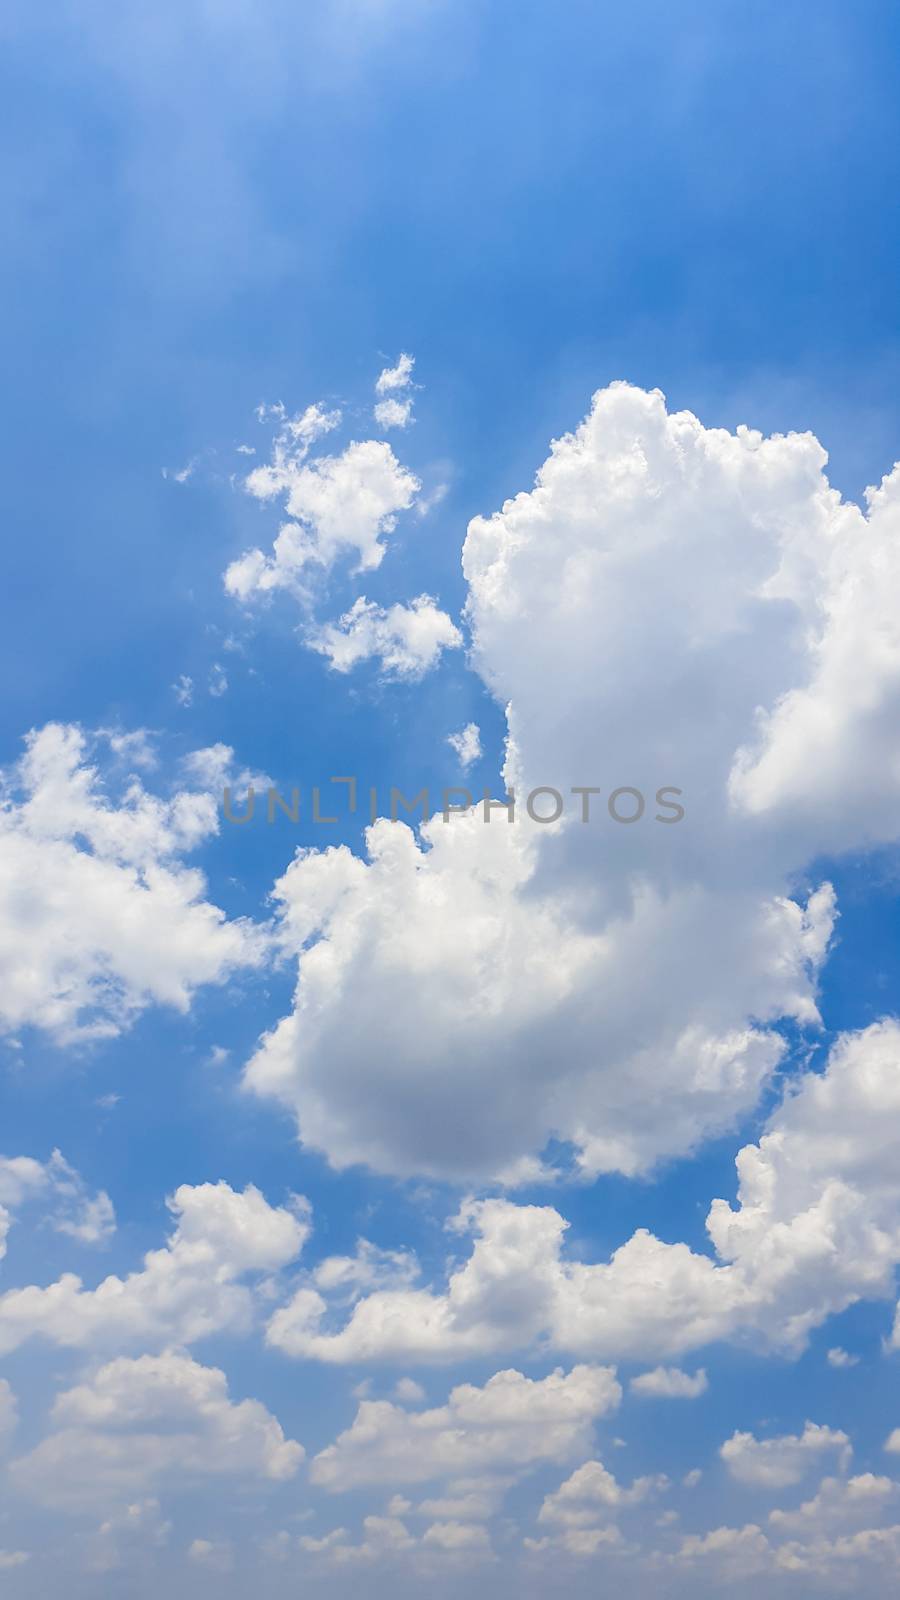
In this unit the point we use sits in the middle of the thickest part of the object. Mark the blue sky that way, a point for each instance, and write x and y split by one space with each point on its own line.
217 208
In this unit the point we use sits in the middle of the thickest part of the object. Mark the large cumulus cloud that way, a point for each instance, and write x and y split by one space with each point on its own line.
670 605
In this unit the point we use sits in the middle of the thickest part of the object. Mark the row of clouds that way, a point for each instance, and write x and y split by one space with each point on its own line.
816 1228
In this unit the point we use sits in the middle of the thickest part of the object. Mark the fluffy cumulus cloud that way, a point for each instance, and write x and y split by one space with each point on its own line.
185 1291
778 1463
838 1503
726 1555
99 915
581 1519
399 377
383 1539
688 628
440 976
405 640
335 505
815 1228
593 1492
66 1202
512 1422
393 413
156 1419
393 408
670 608
843 1540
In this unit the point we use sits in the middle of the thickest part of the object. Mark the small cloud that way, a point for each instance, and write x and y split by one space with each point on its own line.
841 1358
218 1055
183 690
670 1383
182 474
213 768
408 640
427 502
135 748
410 1392
218 681
466 743
393 413
398 377
216 1557
107 1102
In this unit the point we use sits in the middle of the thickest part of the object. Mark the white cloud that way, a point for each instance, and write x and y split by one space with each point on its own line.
584 1543
399 377
816 1227
654 547
407 640
136 748
214 767
217 681
816 758
859 1558
394 413
841 1358
831 1541
592 1493
9 1559
466 743
839 1502
731 1554
778 1463
290 446
466 1499
337 505
181 474
156 1419
670 1383
370 1268
215 1555
426 503
184 1292
458 1537
408 1392
99 916
660 584
383 1537
69 1206
512 1422
385 962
